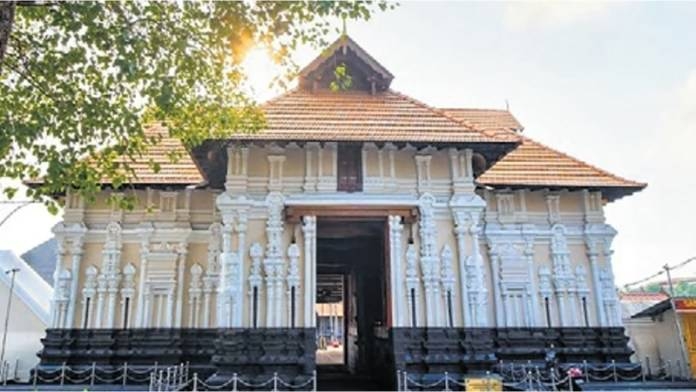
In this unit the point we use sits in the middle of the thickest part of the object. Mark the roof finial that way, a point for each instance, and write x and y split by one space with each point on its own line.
345 29
507 105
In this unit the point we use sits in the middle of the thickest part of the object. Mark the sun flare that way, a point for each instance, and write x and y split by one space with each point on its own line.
260 70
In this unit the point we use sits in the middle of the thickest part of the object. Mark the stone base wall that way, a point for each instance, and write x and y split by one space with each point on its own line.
214 353
477 350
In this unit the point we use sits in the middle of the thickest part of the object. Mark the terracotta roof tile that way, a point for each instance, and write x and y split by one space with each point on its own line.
361 116
182 172
534 164
487 119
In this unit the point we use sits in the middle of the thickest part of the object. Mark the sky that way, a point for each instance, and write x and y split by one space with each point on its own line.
611 83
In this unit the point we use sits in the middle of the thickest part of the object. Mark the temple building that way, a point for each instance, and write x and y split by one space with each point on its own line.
451 239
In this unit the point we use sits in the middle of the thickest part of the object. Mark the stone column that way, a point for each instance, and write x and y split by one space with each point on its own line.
224 300
592 255
395 251
60 255
181 251
430 261
75 269
273 262
460 230
497 295
412 286
142 314
532 297
309 231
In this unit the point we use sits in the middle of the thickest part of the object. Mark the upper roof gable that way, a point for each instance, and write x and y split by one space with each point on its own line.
367 74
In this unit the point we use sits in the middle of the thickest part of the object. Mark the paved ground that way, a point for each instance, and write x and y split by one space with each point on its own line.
330 356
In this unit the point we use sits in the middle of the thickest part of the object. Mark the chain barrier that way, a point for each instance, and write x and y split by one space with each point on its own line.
170 380
527 376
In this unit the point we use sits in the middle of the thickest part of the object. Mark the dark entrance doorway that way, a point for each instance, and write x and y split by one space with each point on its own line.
351 262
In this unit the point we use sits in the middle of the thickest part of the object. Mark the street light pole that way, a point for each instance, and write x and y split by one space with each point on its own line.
12 271
677 319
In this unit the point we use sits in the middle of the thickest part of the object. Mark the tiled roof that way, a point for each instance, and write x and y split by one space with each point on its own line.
487 119
183 171
360 116
534 164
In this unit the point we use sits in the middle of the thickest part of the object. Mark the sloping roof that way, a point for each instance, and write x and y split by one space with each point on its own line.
182 172
654 310
495 120
386 116
42 258
533 164
339 50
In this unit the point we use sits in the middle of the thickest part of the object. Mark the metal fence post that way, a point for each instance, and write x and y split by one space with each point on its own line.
398 379
125 374
613 367
195 382
529 380
488 380
92 374
5 373
647 366
159 380
314 380
405 381
62 374
234 381
446 382
570 382
553 379
275 381
36 376
586 370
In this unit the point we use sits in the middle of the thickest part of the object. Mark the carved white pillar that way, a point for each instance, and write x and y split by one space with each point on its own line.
60 255
430 262
194 295
170 308
208 287
477 278
127 292
611 300
181 251
497 294
240 230
309 231
273 262
460 231
412 285
255 281
293 281
99 313
112 289
448 280
224 300
76 257
399 318
61 299
142 316
592 255
88 293
532 296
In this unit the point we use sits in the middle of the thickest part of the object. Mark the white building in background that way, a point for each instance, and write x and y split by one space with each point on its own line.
29 314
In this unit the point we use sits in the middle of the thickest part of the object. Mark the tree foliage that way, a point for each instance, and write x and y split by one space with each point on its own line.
80 80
